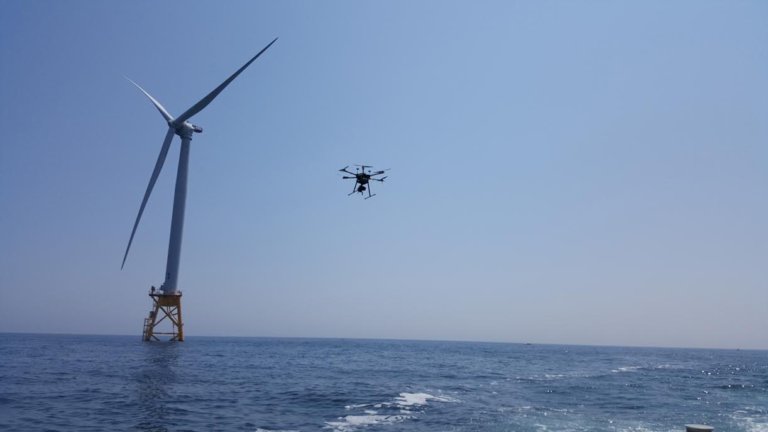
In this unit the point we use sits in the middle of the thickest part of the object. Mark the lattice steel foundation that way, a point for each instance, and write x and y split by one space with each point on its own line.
166 307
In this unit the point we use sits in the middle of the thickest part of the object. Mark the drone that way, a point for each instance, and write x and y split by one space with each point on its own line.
363 175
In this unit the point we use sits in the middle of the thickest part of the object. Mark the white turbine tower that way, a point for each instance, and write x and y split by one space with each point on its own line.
168 299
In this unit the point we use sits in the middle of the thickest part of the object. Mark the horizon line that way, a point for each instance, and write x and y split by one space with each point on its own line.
531 343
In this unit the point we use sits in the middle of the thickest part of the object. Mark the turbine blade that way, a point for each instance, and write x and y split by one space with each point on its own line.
196 108
152 180
163 112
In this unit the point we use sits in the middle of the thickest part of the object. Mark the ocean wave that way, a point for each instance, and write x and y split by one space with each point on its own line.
401 408
351 422
274 430
627 369
418 399
753 425
751 420
668 366
641 429
547 377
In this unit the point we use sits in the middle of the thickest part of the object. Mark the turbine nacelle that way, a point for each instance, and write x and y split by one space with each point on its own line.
186 129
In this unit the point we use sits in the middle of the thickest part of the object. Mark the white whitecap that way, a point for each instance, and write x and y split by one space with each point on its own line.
750 421
403 407
351 422
626 369
273 430
418 399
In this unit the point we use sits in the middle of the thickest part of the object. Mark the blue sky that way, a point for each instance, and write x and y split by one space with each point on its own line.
562 172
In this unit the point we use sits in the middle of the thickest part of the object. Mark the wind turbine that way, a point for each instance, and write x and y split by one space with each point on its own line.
168 298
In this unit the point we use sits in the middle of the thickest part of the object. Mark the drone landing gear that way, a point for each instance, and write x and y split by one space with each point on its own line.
358 189
370 196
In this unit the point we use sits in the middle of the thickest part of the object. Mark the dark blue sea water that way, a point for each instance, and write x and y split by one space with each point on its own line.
95 383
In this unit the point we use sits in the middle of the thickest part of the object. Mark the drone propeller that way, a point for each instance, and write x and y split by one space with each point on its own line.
345 170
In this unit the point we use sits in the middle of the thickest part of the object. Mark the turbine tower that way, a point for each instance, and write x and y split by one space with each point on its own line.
167 300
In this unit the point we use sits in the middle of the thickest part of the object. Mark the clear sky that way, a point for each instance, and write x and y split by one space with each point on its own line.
583 172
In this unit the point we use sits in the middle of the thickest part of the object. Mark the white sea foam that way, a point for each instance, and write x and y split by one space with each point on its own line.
754 426
749 422
626 369
273 430
351 422
667 366
418 399
411 399
641 428
401 408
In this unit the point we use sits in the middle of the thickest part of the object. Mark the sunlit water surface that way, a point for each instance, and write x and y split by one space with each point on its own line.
94 383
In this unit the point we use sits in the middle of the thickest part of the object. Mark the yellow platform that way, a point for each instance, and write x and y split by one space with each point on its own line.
165 307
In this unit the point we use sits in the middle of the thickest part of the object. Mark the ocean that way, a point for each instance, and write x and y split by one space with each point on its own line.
97 383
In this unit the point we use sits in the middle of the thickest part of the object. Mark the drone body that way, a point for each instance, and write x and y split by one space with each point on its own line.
363 177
